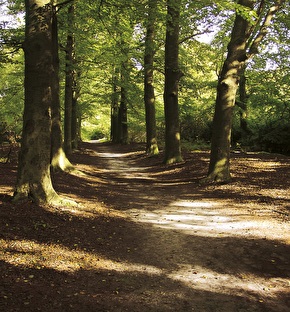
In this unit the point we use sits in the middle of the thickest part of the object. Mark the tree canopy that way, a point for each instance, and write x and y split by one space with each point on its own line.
110 40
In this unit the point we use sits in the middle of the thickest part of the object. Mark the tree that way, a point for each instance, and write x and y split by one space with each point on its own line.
69 81
172 76
149 94
243 45
34 178
123 107
59 159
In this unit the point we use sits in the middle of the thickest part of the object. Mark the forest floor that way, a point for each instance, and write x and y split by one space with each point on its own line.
148 237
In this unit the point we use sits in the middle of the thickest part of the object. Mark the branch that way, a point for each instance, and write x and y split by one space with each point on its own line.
194 35
264 28
62 4
252 30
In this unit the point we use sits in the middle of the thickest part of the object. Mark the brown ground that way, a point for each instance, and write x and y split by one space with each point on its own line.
147 237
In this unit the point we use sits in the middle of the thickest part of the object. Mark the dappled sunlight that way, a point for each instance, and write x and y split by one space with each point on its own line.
117 155
30 254
109 155
6 189
213 219
241 284
150 235
86 209
123 168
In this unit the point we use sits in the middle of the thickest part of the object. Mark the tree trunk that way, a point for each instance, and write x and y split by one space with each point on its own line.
58 156
172 76
68 99
114 109
34 178
243 45
242 103
219 167
123 119
149 95
75 134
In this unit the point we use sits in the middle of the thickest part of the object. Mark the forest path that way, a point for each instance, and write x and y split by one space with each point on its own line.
228 254
146 237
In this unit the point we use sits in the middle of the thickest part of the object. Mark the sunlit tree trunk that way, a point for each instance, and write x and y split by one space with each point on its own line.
172 76
34 180
58 156
149 95
244 43
219 168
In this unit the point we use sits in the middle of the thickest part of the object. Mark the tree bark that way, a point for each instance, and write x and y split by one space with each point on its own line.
219 167
149 95
242 104
172 76
75 125
33 179
115 135
58 156
243 44
123 118
68 98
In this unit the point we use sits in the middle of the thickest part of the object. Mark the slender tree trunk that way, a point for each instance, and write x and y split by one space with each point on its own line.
34 178
115 134
123 118
69 83
75 111
58 156
242 103
172 76
149 95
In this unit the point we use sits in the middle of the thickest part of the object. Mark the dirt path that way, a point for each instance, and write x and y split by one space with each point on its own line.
149 238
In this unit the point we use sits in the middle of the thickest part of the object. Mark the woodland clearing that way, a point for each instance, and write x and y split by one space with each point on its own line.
148 237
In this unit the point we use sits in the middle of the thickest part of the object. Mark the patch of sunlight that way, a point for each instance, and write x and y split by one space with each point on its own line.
87 209
6 189
213 219
193 204
242 284
117 155
30 254
257 163
109 155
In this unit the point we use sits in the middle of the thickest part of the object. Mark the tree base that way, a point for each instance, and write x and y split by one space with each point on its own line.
173 160
216 178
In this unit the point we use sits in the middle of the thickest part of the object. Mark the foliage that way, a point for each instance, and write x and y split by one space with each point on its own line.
108 32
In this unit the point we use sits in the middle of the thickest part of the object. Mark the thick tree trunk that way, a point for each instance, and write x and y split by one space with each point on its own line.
33 178
58 156
149 95
244 43
172 76
219 167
